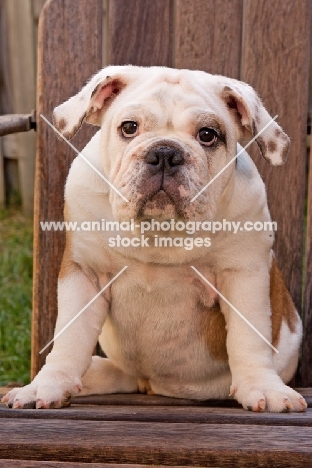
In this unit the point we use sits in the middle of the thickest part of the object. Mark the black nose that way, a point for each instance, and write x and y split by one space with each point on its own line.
164 158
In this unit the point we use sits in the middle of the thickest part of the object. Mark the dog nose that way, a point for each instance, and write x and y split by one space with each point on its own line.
164 158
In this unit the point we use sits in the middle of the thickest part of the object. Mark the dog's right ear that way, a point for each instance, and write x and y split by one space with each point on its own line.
89 104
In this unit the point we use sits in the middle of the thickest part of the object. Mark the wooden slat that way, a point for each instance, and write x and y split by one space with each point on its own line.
163 414
208 36
140 32
172 444
2 189
139 399
13 123
143 399
275 61
307 322
44 464
18 78
37 6
69 53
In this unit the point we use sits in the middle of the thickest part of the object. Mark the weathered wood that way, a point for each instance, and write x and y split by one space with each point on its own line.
105 61
137 399
162 414
306 368
228 445
19 88
2 189
140 32
275 61
208 36
37 6
64 65
143 399
44 464
13 123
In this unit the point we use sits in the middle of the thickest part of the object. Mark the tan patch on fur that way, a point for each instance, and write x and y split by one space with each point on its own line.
257 117
272 146
281 304
284 153
213 326
61 124
262 145
68 266
144 387
213 322
75 129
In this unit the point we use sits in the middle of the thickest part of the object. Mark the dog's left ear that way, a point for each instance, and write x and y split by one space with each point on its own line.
90 102
251 117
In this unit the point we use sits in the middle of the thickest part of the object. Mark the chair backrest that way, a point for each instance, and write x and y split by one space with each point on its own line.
264 43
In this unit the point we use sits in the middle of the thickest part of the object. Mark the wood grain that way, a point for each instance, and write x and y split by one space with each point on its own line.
275 61
139 399
140 32
173 444
208 36
69 53
19 93
307 319
143 399
12 123
44 464
163 414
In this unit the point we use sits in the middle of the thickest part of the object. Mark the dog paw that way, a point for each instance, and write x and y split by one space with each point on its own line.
46 391
274 397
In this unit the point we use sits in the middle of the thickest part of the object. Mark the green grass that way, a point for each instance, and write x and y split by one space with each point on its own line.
16 233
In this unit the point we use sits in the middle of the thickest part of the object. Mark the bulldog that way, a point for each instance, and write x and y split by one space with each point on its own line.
212 321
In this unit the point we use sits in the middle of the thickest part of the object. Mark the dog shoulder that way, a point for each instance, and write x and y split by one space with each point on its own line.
85 171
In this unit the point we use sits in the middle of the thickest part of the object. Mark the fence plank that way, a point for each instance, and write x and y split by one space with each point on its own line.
19 88
188 414
307 322
208 36
140 32
70 51
275 62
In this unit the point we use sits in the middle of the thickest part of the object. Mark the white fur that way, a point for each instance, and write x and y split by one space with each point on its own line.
151 315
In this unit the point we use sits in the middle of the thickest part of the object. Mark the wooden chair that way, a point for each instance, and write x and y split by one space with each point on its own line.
264 43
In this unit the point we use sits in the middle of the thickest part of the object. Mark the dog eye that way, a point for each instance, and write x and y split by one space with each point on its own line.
207 136
129 128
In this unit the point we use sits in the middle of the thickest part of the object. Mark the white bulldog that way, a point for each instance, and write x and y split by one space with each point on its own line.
164 135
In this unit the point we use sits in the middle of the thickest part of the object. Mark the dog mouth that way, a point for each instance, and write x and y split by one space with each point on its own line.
161 202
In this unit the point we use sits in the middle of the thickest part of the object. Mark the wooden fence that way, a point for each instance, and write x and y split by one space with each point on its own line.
18 66
18 50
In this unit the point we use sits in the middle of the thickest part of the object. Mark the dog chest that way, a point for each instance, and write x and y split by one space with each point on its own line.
163 325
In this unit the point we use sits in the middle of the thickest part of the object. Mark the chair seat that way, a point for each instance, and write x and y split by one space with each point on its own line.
152 430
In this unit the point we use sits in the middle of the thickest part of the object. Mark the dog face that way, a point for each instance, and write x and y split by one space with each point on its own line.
167 133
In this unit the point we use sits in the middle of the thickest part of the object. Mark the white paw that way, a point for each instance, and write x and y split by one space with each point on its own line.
269 395
51 389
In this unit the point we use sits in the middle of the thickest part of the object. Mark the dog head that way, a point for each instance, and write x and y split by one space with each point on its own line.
166 133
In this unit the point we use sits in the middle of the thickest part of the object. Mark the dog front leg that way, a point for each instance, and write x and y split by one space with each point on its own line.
255 383
72 350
